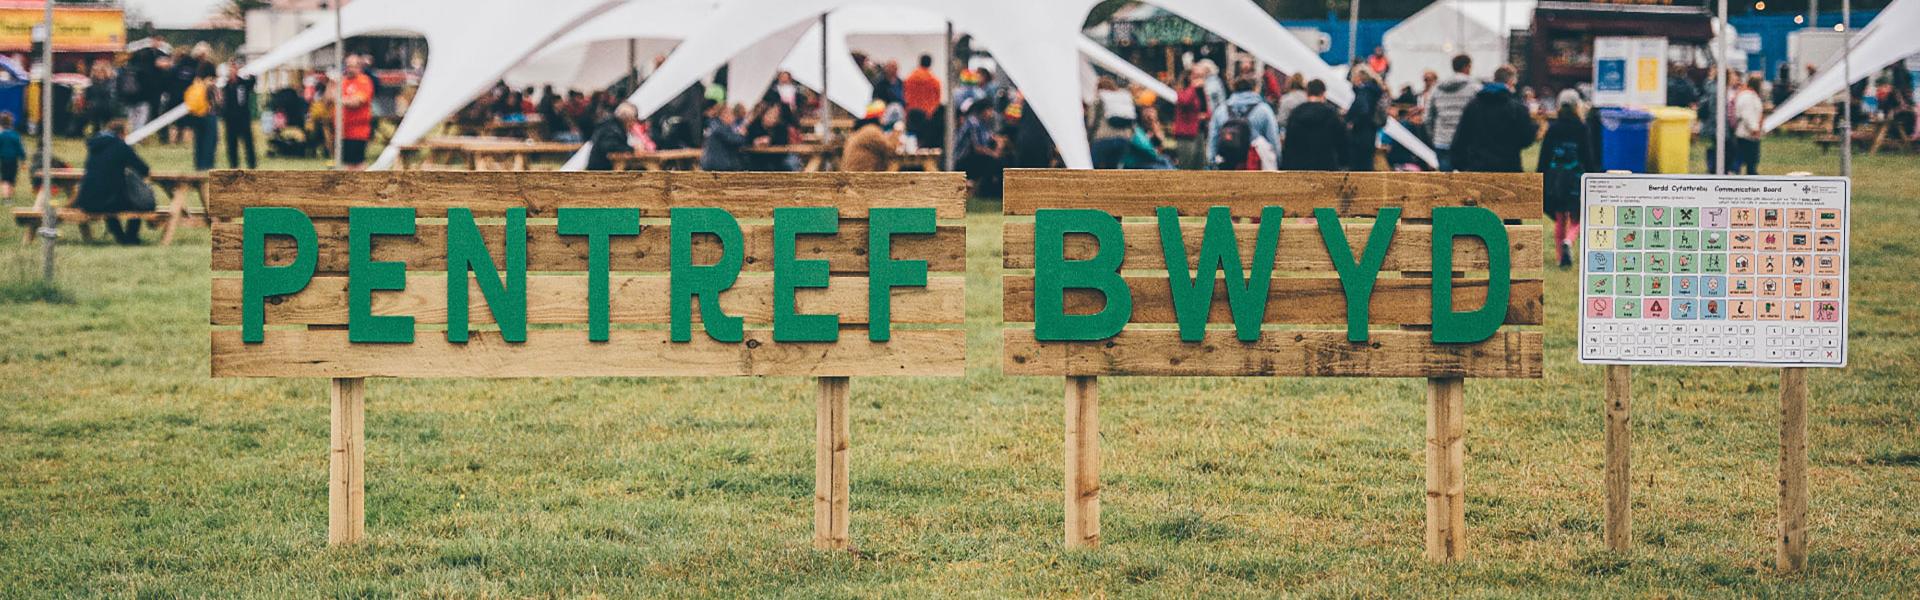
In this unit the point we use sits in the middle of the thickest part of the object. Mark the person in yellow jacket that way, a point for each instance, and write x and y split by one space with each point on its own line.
202 100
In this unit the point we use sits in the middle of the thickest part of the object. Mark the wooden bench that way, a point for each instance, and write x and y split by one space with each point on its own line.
481 153
66 182
687 159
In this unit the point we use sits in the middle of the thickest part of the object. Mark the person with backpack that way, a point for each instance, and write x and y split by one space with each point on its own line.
1316 135
1566 153
1240 124
1365 116
202 102
1494 128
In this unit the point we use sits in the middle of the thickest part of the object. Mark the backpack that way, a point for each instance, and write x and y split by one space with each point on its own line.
1236 136
1564 168
197 100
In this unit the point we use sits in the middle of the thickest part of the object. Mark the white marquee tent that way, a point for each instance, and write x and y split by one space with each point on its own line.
597 53
1889 39
1428 40
1038 44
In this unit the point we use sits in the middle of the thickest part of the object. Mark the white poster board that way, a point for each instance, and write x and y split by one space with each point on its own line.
1707 270
1629 71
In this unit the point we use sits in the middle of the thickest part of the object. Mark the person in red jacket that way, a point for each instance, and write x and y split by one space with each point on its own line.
922 96
356 99
1189 112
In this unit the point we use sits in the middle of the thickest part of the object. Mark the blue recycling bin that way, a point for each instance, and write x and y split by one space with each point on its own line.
1623 139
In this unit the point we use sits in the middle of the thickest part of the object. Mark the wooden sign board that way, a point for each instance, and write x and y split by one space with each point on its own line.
438 274
1271 274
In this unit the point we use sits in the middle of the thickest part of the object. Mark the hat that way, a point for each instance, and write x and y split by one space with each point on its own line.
875 109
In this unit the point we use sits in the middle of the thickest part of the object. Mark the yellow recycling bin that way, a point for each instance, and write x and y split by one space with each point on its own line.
1670 141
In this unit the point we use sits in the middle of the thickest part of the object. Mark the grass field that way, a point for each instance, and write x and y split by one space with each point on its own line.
126 471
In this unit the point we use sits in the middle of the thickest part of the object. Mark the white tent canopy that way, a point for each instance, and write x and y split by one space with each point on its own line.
1428 40
1875 47
596 54
475 50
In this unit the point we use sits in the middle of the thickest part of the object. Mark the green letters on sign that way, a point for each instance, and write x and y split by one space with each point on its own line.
790 273
1450 222
705 281
365 275
883 272
1219 251
599 225
1053 275
467 252
1357 278
257 280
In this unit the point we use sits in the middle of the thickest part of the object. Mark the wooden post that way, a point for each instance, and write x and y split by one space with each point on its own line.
1792 532
346 466
831 507
1619 527
1083 462
1446 479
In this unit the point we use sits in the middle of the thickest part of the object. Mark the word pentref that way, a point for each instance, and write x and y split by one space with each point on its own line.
1145 273
530 274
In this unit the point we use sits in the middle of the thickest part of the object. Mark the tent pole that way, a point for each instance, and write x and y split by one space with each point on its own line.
1506 35
1720 67
1353 33
49 218
951 118
825 126
339 95
1846 72
633 64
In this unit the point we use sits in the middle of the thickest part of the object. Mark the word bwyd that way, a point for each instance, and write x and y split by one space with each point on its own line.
505 274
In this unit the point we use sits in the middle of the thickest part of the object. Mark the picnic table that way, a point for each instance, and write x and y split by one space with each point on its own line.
927 159
1879 134
66 183
814 157
657 160
526 129
1817 120
482 153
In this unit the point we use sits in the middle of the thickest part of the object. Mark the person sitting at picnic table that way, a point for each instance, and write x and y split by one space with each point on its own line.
978 150
770 127
874 143
113 170
725 137
610 136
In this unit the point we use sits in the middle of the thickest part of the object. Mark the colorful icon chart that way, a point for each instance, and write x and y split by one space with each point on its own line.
1709 270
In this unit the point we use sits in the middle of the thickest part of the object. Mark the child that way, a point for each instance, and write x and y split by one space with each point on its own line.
11 151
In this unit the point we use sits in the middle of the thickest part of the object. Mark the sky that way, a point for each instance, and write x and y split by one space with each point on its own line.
174 13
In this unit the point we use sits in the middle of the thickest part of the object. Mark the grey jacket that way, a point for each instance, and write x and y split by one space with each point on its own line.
1450 98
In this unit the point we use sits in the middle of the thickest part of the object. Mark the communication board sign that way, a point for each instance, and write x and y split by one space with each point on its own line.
1709 270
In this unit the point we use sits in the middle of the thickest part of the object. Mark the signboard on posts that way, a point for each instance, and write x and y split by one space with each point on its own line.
474 274
1172 273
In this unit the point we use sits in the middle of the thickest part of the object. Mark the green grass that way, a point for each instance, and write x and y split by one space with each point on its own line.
126 471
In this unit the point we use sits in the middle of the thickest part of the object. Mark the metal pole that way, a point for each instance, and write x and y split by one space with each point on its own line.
952 118
1720 66
1846 72
1353 33
825 126
339 93
1505 34
49 218
633 65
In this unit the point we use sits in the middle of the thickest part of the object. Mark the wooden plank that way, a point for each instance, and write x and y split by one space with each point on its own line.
547 250
1296 301
1619 469
346 464
629 353
556 299
1446 474
831 475
1513 354
1083 462
747 195
1139 193
1300 247
1790 549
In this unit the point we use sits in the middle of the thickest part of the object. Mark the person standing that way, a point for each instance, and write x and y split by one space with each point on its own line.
1238 126
1295 96
1566 154
921 92
102 96
888 87
203 103
186 70
1316 137
11 152
1747 108
237 104
1189 111
356 102
1378 61
1448 101
1114 117
1365 116
1494 127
